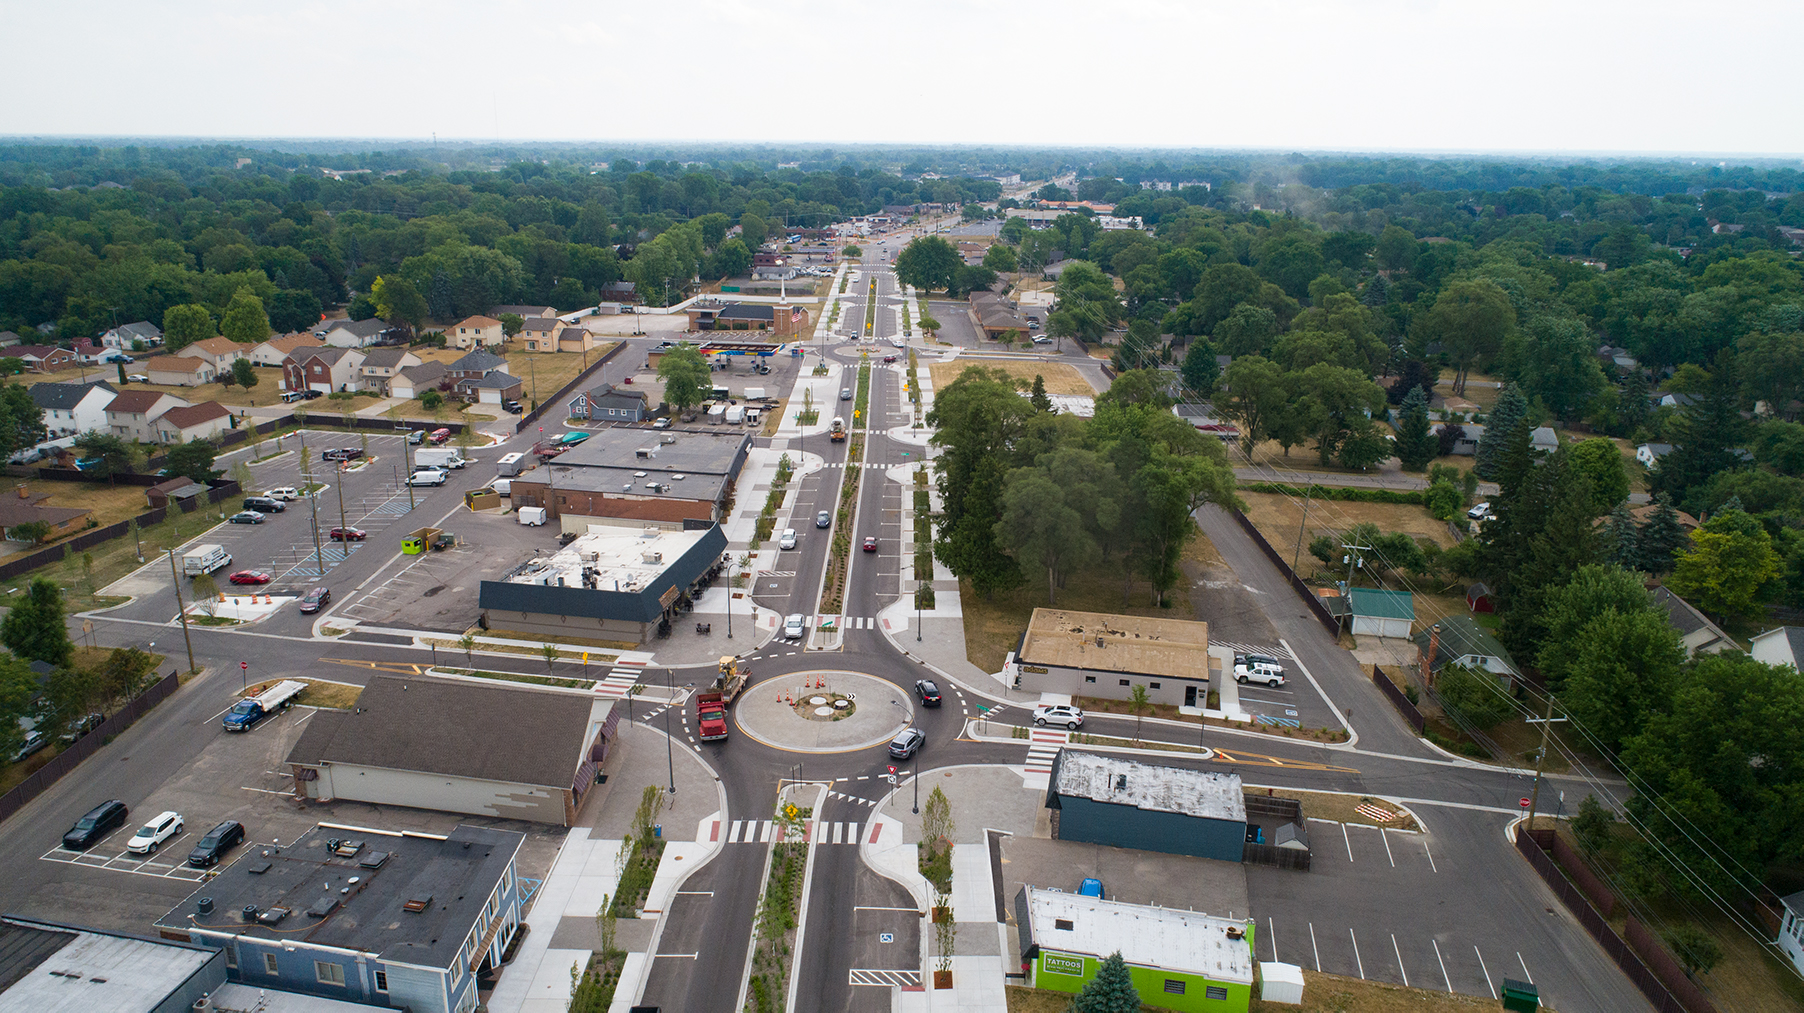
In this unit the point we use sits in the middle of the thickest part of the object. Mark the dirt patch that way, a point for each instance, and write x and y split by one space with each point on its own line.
1279 518
1060 378
1344 808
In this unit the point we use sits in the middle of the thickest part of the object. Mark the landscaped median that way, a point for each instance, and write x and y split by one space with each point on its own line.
833 584
776 932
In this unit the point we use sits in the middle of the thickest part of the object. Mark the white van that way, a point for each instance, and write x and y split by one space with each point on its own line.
503 486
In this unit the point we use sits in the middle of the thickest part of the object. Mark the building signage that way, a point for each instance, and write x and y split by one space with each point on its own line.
1035 669
667 597
1060 963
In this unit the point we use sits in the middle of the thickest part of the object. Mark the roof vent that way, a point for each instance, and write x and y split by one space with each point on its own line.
1063 923
273 916
320 909
1120 782
373 860
347 849
417 904
204 905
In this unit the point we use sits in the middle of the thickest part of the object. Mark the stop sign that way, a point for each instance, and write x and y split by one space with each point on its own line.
1525 803
245 665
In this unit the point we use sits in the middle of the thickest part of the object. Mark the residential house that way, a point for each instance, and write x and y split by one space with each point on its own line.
126 337
86 350
994 316
1791 929
9 339
1479 599
381 364
131 413
1619 359
43 358
475 332
353 333
620 291
1381 613
27 509
608 403
181 370
576 339
273 352
221 352
194 422
1201 415
538 333
1696 632
412 381
493 387
523 312
1783 646
475 365
1544 440
778 271
71 409
1649 454
325 369
1459 640
1467 443
1676 401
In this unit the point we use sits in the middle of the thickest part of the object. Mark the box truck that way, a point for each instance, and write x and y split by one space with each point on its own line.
438 457
205 559
734 416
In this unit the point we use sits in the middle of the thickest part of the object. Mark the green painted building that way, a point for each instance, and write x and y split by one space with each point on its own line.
1178 960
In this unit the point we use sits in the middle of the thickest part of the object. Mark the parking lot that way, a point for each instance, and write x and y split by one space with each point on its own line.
438 590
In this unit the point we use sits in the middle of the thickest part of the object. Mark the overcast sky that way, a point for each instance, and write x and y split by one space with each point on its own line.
1533 75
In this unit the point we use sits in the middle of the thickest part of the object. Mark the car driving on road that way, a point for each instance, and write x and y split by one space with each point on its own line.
795 627
1058 714
927 692
907 743
315 599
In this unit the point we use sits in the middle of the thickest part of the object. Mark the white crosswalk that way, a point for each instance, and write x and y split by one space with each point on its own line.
1240 648
618 682
882 977
765 831
860 622
852 798
1044 744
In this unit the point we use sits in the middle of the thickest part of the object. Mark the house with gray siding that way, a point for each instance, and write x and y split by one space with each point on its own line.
1128 804
392 919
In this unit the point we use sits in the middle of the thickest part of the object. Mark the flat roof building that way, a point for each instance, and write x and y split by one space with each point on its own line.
393 919
46 967
611 583
1128 804
486 749
1101 655
637 477
1181 960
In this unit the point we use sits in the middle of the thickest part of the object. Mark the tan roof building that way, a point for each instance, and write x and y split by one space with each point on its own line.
181 370
1102 655
273 351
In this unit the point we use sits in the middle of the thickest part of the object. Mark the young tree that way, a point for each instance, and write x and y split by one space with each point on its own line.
1111 991
686 376
245 320
1139 703
1039 396
1416 446
33 628
206 593
244 374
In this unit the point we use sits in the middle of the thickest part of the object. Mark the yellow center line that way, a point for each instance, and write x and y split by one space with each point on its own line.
401 668
1262 760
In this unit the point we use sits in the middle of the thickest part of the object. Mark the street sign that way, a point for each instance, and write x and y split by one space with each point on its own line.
1525 803
245 665
892 770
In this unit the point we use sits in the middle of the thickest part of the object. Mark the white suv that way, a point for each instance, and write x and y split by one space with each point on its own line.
154 833
1058 714
795 628
1259 671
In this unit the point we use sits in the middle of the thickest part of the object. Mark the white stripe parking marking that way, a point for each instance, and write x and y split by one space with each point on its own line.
1486 970
1398 950
1356 959
1443 963
1317 949
1524 963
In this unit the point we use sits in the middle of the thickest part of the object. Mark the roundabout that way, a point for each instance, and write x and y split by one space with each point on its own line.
823 711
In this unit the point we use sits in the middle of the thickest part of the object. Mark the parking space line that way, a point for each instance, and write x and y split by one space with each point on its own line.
1430 855
1387 847
1398 950
1524 963
1349 840
1356 957
1317 949
1443 963
1486 970
1272 930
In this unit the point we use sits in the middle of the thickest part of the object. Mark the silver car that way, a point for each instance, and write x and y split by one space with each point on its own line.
795 627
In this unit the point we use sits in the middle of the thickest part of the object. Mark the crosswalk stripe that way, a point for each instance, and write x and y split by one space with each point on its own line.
733 833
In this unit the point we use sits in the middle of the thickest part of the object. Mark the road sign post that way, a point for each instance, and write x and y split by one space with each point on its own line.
244 675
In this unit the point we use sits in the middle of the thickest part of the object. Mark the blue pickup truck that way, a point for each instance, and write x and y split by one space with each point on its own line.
246 713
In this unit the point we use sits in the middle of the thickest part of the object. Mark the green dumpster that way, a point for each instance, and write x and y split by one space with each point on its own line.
1520 996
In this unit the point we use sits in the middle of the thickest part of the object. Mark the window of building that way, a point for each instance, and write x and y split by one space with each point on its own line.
329 973
1152 685
381 981
269 963
1124 682
1174 986
231 955
1089 678
1215 992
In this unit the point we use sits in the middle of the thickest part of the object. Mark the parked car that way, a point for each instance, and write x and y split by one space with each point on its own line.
99 821
927 692
513 407
661 424
1258 659
311 394
249 577
1479 512
907 743
787 540
152 835
1270 675
439 436
247 517
845 393
1058 714
267 504
870 543
417 437
82 726
315 600
823 520
137 378
342 454
219 840
34 741
795 627
428 476
286 493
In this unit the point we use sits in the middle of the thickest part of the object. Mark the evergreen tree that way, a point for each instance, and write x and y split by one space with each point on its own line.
1660 537
1704 436
1377 293
1622 539
33 628
1632 404
1416 446
1039 398
1564 540
1111 991
1504 419
1199 369
439 298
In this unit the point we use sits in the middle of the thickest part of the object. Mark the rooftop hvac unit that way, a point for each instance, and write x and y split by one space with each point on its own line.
645 452
560 581
628 487
638 474
668 440
652 557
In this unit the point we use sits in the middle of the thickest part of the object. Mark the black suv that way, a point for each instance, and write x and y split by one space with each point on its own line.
342 454
513 407
218 841
95 825
263 504
928 693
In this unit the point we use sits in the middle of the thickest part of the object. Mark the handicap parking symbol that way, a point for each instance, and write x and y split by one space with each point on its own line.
886 937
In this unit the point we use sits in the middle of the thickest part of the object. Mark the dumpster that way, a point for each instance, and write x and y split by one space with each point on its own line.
419 541
1520 996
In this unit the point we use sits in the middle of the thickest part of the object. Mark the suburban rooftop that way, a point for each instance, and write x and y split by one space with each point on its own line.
624 559
1112 643
1149 936
1147 786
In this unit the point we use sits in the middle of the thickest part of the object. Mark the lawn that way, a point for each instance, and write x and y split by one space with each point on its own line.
1060 378
110 503
545 373
268 390
1279 517
993 627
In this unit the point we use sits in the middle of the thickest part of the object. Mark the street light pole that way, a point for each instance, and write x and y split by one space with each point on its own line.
669 749
181 609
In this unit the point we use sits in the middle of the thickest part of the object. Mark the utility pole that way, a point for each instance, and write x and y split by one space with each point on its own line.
343 530
1297 557
1546 723
1353 559
181 609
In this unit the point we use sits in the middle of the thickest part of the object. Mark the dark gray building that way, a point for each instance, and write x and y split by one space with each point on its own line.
608 403
614 583
1127 804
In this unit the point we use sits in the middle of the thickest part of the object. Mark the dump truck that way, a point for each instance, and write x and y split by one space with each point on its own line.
419 541
205 559
246 713
836 430
710 717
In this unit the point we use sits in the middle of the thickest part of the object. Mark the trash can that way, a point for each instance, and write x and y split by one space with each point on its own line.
657 832
1520 996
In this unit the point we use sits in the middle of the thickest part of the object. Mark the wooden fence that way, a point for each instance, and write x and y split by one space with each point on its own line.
86 746
1660 979
95 536
1398 699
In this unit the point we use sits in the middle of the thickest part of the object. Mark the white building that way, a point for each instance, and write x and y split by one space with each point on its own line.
1783 646
71 409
